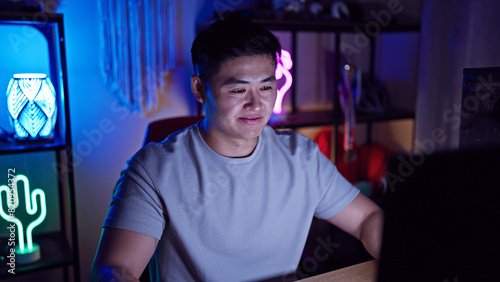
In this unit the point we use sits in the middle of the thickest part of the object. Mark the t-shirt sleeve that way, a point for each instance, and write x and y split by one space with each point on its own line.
136 205
338 192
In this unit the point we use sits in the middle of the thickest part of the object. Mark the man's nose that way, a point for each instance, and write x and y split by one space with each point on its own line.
253 101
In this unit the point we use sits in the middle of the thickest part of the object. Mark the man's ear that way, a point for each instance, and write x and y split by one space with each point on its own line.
198 88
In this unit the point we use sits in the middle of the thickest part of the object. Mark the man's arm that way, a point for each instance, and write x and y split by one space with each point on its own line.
363 219
122 255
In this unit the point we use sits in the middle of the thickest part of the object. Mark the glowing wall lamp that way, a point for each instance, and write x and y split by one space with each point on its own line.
25 252
31 103
282 69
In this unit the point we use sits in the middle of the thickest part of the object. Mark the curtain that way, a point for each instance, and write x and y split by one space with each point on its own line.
138 50
456 34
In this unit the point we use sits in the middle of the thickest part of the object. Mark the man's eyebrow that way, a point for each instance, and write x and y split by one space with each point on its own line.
233 80
269 79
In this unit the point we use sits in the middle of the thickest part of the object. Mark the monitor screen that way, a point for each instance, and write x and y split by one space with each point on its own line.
443 218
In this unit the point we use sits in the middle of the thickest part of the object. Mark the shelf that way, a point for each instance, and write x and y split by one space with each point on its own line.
29 18
330 26
55 252
323 26
51 26
19 146
59 250
319 118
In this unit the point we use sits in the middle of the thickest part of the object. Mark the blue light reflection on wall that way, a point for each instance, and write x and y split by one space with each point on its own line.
23 49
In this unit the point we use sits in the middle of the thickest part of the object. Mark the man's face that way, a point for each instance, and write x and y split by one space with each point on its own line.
240 98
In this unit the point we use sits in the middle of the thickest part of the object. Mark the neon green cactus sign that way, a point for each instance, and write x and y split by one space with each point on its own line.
31 206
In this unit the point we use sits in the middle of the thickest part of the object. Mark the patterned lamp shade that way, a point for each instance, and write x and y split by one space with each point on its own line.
31 103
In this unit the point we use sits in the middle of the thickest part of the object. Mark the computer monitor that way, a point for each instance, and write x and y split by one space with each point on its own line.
443 218
480 108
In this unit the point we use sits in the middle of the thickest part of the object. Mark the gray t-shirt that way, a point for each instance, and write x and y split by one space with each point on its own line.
227 219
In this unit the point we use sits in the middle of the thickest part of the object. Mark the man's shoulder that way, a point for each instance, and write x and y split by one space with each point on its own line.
167 148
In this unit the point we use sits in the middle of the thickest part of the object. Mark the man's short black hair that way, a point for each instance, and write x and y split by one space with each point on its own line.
228 39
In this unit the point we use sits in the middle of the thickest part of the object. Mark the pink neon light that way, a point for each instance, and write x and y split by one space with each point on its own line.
282 69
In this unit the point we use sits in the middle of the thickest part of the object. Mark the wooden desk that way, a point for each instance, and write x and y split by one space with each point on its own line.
363 272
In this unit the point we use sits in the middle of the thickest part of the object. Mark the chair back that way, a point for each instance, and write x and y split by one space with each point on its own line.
158 130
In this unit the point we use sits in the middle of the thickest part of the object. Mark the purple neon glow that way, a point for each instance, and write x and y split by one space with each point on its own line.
282 69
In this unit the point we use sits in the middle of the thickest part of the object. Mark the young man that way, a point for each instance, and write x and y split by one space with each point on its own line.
228 199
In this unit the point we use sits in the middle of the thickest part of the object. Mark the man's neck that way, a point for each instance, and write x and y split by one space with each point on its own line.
228 147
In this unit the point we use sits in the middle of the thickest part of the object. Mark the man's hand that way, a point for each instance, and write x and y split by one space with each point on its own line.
122 255
364 220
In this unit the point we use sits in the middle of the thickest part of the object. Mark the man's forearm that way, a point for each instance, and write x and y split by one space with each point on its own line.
111 273
371 233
